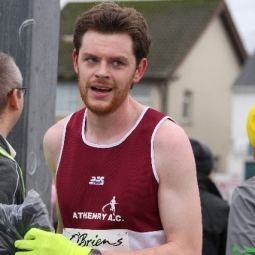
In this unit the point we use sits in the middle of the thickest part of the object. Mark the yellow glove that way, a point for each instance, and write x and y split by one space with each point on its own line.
39 242
250 126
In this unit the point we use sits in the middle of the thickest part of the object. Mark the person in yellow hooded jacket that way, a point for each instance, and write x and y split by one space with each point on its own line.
250 126
241 228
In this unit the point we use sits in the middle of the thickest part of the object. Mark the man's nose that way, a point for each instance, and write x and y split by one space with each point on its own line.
102 71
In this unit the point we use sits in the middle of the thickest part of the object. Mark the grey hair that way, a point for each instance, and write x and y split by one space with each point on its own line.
10 78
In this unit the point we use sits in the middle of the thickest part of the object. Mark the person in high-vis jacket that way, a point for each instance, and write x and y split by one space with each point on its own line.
241 227
12 189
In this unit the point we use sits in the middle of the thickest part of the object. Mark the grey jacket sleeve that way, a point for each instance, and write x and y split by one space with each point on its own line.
241 224
9 181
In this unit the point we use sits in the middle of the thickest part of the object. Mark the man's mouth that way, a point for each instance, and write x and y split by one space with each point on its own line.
100 89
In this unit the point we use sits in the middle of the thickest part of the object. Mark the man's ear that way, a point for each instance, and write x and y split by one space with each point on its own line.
140 70
14 99
75 61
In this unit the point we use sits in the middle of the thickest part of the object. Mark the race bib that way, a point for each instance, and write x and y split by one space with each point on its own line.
111 240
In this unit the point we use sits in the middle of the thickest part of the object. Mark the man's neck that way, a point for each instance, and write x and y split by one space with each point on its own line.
7 146
4 126
3 133
112 127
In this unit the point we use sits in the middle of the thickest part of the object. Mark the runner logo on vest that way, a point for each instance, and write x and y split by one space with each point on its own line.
108 213
112 205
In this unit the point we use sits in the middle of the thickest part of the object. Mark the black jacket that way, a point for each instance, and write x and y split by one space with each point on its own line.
215 213
11 191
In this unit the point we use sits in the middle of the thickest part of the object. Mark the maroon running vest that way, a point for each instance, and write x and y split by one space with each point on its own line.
109 186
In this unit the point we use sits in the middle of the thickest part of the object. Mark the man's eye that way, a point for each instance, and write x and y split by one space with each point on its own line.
117 63
91 60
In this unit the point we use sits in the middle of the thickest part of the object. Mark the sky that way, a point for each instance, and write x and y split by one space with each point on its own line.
243 14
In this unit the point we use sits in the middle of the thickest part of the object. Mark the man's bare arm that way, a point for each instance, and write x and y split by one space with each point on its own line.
52 145
179 200
178 197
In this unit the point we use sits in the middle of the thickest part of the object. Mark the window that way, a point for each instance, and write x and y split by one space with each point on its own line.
187 107
249 170
68 99
216 167
249 150
142 94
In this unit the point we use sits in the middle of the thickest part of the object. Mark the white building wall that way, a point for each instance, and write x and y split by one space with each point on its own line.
209 71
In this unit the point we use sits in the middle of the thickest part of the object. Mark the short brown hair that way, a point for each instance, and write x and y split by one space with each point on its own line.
110 18
10 77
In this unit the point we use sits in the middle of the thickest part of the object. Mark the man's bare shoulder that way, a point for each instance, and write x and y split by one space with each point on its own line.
55 132
172 145
171 134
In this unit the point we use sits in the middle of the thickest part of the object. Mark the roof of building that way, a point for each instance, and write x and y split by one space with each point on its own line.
247 74
174 25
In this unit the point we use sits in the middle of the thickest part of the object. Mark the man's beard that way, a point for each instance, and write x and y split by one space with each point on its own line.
102 108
